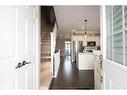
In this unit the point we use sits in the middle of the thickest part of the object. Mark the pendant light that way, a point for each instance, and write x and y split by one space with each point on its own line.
85 28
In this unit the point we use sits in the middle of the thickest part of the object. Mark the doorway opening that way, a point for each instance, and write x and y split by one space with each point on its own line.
76 50
67 48
47 24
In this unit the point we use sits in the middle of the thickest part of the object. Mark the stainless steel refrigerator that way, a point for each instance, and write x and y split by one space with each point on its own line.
77 47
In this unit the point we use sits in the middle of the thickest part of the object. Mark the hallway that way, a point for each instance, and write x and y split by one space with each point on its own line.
71 78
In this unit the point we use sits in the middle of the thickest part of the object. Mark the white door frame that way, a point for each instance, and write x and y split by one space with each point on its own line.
103 30
38 31
103 36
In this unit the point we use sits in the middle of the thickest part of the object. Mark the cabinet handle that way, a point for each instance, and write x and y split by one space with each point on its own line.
101 79
101 64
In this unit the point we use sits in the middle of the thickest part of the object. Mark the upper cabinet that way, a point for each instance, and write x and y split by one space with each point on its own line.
91 36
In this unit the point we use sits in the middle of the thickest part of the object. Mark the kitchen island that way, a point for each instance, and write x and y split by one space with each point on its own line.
85 60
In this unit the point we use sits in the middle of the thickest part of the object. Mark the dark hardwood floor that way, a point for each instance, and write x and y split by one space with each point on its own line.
69 77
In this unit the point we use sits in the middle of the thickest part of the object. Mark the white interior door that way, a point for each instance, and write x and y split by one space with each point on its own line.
114 47
17 39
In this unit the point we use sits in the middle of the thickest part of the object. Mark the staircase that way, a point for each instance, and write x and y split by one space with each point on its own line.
46 56
46 44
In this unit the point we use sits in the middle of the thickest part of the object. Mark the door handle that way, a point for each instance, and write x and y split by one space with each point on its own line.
18 65
21 64
24 63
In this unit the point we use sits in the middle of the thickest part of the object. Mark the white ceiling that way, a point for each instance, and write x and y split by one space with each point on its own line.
72 17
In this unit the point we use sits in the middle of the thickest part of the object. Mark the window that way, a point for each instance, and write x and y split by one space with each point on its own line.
116 25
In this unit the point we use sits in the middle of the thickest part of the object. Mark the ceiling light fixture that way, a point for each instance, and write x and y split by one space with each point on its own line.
85 28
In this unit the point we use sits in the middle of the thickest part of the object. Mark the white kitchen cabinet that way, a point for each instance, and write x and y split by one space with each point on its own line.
85 61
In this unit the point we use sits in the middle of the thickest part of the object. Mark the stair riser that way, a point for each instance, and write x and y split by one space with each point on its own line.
45 38
46 50
43 48
46 45
46 54
46 41
45 59
45 35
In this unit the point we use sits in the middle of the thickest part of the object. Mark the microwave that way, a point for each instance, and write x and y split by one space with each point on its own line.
91 43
